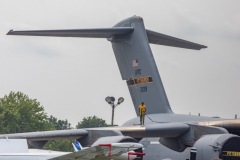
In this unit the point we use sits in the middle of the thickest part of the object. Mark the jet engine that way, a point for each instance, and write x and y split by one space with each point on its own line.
216 146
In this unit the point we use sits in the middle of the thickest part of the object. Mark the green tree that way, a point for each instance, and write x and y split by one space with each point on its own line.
65 145
19 113
59 145
91 122
59 124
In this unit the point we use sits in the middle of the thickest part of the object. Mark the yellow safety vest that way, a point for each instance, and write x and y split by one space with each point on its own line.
142 109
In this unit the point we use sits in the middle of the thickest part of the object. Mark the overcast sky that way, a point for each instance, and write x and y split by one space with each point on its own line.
71 77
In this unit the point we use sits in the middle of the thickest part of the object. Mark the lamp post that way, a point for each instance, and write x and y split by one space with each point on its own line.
110 100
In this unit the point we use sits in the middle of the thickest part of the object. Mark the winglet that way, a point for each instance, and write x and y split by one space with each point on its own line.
77 146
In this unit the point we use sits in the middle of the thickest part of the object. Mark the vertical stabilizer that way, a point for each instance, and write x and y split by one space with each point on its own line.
138 68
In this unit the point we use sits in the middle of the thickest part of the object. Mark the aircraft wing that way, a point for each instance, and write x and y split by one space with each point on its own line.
151 130
38 139
102 151
48 135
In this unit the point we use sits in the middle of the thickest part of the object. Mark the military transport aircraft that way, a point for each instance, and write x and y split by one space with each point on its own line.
165 135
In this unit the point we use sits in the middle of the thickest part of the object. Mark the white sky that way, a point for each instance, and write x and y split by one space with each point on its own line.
71 77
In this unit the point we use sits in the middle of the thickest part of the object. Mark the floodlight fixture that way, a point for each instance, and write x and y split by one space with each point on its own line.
120 100
111 100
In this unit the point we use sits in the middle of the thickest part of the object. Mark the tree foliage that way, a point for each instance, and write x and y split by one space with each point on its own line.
91 122
19 113
59 145
59 124
65 145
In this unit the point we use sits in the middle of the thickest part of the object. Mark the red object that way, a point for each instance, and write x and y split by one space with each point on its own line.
108 145
138 154
110 149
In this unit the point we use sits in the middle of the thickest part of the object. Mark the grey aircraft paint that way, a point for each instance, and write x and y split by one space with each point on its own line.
183 137
136 64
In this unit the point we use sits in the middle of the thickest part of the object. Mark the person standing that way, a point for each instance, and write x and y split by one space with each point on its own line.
142 112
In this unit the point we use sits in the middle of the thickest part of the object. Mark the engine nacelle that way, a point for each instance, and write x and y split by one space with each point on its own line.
216 146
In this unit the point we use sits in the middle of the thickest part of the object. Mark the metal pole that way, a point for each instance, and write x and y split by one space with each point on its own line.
113 106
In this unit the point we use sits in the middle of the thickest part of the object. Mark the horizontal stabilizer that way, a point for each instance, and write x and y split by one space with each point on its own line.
162 39
89 33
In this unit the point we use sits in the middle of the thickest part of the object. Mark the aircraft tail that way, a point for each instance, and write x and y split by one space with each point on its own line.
138 67
130 41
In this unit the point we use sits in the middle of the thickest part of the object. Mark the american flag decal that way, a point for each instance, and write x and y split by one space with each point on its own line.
135 63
